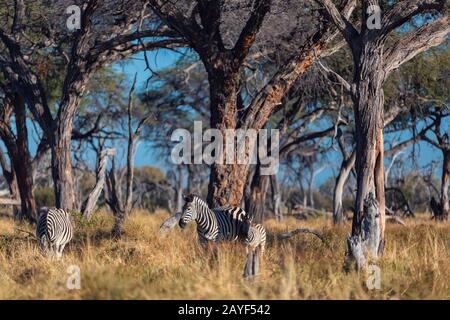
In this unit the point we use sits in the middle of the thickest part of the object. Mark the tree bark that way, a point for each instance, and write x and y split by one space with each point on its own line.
276 197
227 181
179 189
62 168
445 204
17 146
23 163
191 188
10 177
114 199
380 184
346 167
368 100
256 203
91 201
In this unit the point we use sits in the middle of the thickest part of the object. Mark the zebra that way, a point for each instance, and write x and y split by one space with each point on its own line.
54 230
222 224
256 238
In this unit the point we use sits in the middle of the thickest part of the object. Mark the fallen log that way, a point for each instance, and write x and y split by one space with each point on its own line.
290 234
9 202
169 224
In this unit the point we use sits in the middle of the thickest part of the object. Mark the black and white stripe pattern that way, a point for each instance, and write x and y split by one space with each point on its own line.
256 238
54 230
221 224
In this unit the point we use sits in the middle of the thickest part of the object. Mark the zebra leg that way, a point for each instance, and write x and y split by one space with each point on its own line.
262 248
59 251
51 251
204 245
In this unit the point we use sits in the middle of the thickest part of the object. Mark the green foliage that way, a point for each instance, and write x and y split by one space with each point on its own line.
420 85
149 173
45 197
87 183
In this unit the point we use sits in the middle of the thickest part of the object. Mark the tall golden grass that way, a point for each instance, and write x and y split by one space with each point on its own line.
141 265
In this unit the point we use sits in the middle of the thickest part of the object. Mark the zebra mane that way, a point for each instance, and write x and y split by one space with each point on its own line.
199 202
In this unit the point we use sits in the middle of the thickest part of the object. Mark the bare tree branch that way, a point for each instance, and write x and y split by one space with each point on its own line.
415 42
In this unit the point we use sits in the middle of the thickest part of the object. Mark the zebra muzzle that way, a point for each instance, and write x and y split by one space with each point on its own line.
182 224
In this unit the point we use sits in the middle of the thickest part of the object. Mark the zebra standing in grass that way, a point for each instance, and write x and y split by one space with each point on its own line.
221 224
256 238
54 230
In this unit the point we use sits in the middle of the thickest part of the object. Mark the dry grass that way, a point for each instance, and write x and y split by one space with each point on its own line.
143 266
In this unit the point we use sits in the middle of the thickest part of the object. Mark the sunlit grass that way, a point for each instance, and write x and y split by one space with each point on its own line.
141 265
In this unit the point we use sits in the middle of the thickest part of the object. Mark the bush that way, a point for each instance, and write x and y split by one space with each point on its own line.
45 197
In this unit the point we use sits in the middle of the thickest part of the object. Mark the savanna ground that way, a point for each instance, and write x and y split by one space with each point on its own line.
142 265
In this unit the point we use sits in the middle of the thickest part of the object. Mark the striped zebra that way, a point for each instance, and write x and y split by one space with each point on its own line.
256 238
221 224
54 230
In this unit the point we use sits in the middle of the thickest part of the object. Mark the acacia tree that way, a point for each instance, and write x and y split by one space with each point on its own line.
374 59
440 139
109 31
307 102
20 177
224 57
426 89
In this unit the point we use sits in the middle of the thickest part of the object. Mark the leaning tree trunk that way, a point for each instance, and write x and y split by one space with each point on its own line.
445 204
90 203
256 202
346 167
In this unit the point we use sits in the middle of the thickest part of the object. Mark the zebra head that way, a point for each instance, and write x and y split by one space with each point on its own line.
189 211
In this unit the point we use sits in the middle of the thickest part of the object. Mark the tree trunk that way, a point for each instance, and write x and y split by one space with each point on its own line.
445 205
311 189
74 86
10 178
91 201
114 199
191 188
368 100
17 146
346 167
227 181
130 172
276 197
179 191
23 165
255 204
379 185
62 167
